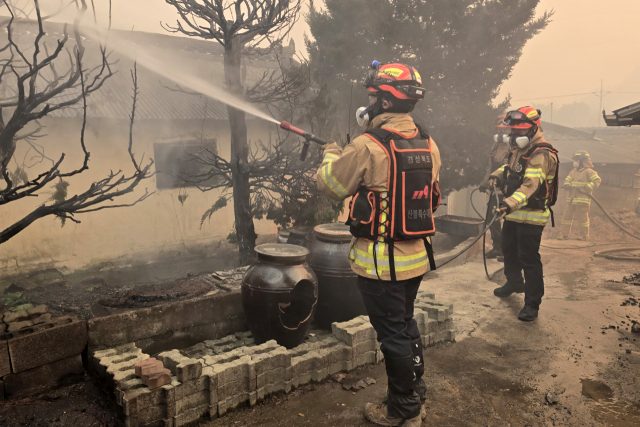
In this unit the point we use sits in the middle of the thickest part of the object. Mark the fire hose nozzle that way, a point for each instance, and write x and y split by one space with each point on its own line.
306 135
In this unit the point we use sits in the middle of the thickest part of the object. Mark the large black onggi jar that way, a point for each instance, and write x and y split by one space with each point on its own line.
279 294
339 299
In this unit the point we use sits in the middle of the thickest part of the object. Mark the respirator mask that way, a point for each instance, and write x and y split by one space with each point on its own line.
576 165
501 138
364 115
520 141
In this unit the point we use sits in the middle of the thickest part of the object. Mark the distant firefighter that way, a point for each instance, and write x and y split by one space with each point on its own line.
580 183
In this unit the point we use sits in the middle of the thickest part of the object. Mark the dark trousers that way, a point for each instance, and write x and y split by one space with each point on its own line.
521 250
390 306
496 228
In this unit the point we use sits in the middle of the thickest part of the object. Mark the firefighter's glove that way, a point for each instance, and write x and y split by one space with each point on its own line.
333 145
503 210
484 187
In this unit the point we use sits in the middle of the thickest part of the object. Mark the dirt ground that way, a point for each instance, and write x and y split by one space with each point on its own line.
577 365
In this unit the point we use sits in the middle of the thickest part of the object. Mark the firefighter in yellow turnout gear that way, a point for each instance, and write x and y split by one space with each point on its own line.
581 182
392 173
528 180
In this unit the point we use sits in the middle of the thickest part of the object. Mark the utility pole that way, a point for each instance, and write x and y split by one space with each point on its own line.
601 95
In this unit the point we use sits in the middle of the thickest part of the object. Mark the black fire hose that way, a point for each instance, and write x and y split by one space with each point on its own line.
488 226
484 234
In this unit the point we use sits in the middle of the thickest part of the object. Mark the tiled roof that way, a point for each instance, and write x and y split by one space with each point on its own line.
156 101
569 140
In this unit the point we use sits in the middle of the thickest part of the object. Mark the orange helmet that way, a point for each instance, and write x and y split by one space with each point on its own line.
523 118
500 122
400 80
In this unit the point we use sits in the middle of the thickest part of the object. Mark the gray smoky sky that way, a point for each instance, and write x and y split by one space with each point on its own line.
588 41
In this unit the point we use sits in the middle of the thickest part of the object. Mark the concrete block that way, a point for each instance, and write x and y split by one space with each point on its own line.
16 326
190 416
233 402
353 334
364 347
274 376
189 370
157 379
178 316
171 359
185 368
196 400
238 370
320 374
5 361
42 378
344 366
152 414
270 360
10 317
135 400
366 359
194 386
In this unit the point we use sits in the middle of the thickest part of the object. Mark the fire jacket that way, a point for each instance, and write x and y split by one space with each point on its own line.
542 167
364 163
579 181
498 153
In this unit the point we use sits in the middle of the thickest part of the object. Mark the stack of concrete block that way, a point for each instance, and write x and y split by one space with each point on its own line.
211 378
434 319
38 351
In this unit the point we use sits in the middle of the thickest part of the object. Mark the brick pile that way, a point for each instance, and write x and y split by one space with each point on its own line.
213 377
38 351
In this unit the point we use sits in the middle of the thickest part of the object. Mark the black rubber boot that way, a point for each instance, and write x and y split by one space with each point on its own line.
508 289
418 368
528 313
494 253
402 399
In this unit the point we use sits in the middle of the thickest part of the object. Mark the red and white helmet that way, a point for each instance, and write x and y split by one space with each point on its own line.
522 118
400 80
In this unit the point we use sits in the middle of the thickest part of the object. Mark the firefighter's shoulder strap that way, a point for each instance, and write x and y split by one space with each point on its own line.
552 191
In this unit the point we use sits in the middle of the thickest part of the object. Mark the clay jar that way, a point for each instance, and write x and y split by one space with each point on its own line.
339 298
279 294
299 235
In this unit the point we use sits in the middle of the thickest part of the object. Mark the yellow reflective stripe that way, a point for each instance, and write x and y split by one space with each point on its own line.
581 200
329 157
579 184
332 182
585 224
537 217
519 197
403 263
595 178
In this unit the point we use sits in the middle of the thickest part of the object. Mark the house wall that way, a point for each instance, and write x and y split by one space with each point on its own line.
161 224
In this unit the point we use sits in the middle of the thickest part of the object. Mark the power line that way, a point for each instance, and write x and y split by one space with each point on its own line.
563 96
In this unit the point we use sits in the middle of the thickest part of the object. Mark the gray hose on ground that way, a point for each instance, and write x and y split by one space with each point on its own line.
616 223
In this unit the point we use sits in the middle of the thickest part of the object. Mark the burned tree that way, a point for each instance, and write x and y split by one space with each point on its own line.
36 80
283 188
241 27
